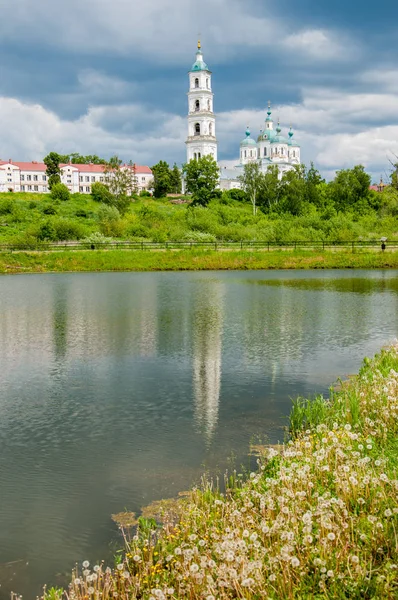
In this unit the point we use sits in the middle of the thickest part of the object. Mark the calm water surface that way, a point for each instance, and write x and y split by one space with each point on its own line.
119 389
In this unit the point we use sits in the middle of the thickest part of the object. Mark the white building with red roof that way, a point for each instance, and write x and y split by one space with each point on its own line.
32 177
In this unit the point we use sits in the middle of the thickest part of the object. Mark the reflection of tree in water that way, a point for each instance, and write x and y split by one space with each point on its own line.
60 319
207 334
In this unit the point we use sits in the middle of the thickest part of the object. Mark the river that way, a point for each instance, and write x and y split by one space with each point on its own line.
117 389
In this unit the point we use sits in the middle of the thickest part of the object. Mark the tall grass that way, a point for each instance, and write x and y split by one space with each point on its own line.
189 260
318 519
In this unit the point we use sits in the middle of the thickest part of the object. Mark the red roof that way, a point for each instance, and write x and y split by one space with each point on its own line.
36 166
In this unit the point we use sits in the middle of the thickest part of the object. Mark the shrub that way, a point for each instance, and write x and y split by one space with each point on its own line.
144 194
199 236
6 206
81 213
49 209
59 191
46 231
66 229
96 238
32 205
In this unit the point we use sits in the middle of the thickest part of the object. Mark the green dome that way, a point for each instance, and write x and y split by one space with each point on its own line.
291 142
199 64
266 135
248 141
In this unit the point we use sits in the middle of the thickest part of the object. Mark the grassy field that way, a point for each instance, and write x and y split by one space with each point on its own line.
318 519
189 260
26 218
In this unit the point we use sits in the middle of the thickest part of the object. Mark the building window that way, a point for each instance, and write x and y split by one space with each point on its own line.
197 105
44 188
92 178
81 189
196 82
88 188
208 106
143 179
207 83
197 128
28 177
36 188
22 177
101 179
80 178
29 188
245 153
199 155
294 154
22 188
265 151
210 128
44 177
35 178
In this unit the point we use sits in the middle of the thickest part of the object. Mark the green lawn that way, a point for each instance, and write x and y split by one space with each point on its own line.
180 260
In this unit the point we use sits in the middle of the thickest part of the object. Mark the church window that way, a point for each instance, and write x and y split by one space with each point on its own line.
294 153
265 151
194 156
207 83
197 128
245 153
197 105
210 129
196 82
199 155
208 105
258 153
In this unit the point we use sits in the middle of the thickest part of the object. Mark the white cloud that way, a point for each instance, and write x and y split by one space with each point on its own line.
335 130
30 132
318 44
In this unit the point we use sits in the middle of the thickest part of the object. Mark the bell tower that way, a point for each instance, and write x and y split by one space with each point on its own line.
201 140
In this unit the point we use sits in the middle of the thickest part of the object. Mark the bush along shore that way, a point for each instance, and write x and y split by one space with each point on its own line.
192 260
318 519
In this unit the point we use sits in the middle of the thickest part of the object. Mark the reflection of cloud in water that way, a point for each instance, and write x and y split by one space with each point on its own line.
207 346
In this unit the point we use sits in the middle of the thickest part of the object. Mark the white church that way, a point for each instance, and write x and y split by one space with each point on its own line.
271 147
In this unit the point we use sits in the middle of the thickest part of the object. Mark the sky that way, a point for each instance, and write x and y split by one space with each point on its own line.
101 77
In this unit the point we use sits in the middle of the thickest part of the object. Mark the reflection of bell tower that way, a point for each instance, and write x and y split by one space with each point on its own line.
207 346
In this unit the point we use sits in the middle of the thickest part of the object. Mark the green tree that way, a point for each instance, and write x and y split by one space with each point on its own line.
251 182
52 161
350 189
271 189
394 174
161 179
100 193
91 159
313 180
175 180
121 182
201 179
59 191
294 188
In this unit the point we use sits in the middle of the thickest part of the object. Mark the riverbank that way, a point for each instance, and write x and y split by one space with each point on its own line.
317 520
191 260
